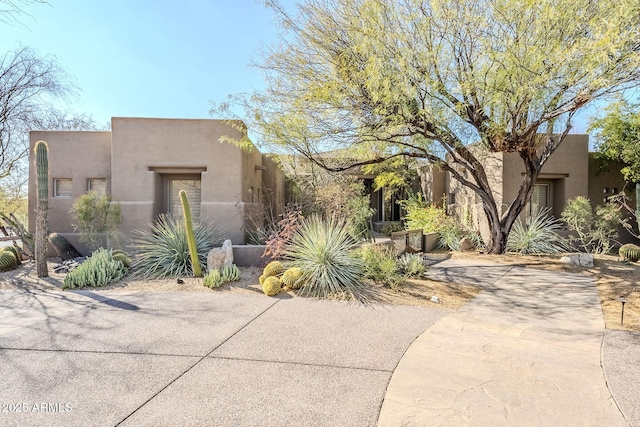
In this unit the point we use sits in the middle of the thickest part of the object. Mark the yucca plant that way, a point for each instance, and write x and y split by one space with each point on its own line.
163 250
322 249
539 237
412 265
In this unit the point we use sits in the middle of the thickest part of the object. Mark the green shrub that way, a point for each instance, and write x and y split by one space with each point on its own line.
96 217
380 265
387 229
163 251
425 216
98 270
539 237
450 238
432 219
595 230
412 265
322 248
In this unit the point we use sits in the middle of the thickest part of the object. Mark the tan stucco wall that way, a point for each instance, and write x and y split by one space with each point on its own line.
567 172
75 155
143 150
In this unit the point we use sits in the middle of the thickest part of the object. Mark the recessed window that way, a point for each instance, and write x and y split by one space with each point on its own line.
97 185
452 198
62 187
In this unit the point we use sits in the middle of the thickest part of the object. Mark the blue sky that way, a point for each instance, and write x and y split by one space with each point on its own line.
155 58
149 58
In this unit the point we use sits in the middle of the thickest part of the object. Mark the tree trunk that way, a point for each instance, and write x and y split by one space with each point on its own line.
638 205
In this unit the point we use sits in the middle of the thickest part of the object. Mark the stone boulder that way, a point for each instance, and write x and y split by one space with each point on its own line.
579 259
466 244
219 257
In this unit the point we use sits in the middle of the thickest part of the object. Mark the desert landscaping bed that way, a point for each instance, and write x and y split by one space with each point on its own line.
415 292
614 279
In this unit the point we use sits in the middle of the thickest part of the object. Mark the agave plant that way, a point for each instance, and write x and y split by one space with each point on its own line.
163 250
322 249
539 237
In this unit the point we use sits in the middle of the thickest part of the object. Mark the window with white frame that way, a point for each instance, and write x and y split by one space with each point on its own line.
63 187
97 185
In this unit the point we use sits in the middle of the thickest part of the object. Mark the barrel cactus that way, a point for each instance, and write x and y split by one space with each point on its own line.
630 252
8 261
62 246
261 279
122 257
291 278
14 251
272 286
274 268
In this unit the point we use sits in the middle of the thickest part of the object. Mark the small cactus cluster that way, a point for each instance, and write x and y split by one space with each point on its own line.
274 277
8 259
629 252
215 278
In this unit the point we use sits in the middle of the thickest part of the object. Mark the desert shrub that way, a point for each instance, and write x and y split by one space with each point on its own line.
282 232
96 217
595 230
430 218
358 214
322 248
412 265
423 215
539 237
98 270
163 251
387 229
380 265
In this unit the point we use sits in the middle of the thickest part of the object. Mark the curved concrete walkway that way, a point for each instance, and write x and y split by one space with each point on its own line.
525 352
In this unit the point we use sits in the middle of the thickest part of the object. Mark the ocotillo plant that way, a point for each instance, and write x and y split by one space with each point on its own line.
191 240
42 225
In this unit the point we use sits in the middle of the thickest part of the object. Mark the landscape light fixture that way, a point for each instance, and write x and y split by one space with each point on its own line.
622 300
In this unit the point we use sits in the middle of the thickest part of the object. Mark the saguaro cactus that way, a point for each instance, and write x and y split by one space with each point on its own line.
42 225
193 249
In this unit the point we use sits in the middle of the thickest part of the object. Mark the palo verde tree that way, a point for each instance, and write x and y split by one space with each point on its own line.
618 139
423 79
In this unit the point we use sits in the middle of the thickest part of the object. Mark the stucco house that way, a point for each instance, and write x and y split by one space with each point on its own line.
143 163
571 171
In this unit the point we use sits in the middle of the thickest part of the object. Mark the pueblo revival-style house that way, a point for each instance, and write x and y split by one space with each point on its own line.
143 163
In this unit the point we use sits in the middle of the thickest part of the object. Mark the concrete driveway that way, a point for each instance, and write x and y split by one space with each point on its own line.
528 351
177 358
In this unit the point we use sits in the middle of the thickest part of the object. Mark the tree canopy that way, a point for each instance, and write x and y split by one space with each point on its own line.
424 79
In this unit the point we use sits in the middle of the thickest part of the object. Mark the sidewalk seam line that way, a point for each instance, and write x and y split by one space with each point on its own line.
286 362
195 364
